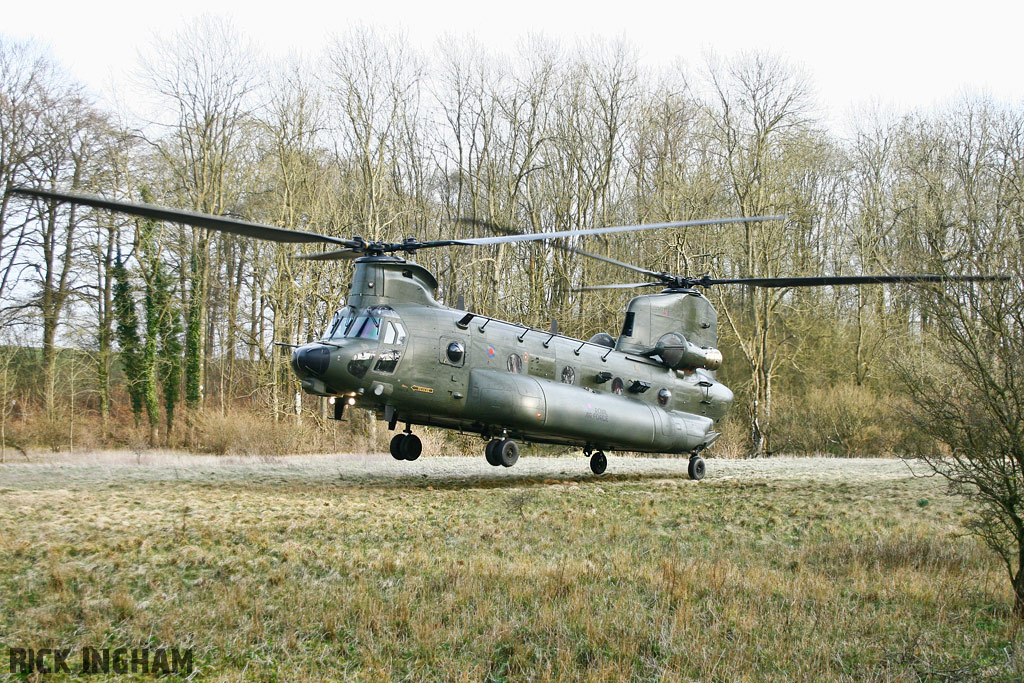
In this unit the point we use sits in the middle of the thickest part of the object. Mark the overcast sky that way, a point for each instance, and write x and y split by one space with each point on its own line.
891 53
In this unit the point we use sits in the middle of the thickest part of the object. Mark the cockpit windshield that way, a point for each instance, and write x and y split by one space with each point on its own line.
366 326
378 322
340 323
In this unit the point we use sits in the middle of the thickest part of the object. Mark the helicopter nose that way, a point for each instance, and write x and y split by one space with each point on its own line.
311 361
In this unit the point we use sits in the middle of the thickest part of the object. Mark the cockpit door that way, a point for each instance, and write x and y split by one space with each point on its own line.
393 338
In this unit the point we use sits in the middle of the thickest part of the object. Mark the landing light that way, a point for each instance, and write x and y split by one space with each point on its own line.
351 401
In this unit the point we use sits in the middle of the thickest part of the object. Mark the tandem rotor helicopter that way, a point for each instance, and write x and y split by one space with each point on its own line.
395 350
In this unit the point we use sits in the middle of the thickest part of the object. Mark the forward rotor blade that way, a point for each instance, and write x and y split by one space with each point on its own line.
540 236
337 255
825 280
619 286
201 220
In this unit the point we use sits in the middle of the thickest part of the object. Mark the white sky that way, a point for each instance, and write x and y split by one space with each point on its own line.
893 53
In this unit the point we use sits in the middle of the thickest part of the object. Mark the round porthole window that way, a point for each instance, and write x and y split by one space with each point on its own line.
663 396
617 385
455 352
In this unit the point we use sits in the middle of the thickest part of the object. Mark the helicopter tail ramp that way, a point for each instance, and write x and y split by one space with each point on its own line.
525 404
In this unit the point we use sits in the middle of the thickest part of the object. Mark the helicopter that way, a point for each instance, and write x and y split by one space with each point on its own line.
395 350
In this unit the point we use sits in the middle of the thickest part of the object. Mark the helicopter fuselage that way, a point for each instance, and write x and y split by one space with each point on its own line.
398 352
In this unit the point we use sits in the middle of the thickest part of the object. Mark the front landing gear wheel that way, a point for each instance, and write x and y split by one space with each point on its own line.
410 447
396 446
491 452
598 463
508 452
696 468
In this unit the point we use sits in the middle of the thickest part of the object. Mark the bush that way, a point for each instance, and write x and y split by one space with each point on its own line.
243 433
844 420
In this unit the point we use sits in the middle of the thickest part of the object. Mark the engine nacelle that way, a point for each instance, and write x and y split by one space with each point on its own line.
679 354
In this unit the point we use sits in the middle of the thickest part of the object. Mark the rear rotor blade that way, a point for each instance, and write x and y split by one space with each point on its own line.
540 236
201 220
628 266
825 280
494 227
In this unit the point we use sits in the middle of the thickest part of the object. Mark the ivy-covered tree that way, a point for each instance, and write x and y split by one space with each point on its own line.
194 341
169 354
149 255
128 336
160 356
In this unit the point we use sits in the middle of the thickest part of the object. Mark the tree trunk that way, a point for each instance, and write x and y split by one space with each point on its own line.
1017 581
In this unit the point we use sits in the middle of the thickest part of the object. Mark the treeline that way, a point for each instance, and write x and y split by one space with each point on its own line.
371 138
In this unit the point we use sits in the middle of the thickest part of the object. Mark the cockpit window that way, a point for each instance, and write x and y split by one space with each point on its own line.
379 322
366 327
340 323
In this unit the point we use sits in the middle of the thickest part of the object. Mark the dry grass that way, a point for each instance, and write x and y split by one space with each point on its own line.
297 572
239 431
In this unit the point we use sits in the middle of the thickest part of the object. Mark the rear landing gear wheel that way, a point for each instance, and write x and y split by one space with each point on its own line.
696 468
396 446
508 452
410 447
598 462
491 452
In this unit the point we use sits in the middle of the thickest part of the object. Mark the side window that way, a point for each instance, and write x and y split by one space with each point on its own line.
627 324
394 333
453 352
515 364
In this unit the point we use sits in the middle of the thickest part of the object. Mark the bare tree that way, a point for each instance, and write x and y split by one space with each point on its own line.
27 81
299 183
759 105
74 134
374 80
873 229
206 73
964 383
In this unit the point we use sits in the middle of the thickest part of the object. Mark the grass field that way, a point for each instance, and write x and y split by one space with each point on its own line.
360 567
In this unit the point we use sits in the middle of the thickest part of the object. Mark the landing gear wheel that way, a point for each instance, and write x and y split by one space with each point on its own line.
696 468
396 446
508 452
598 462
410 447
492 454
